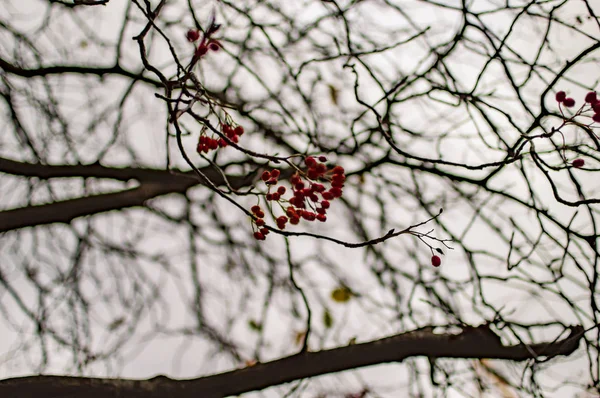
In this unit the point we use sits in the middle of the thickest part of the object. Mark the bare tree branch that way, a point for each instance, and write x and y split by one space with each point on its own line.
471 342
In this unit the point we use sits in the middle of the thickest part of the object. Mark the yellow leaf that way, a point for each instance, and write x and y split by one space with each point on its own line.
333 94
341 294
327 319
299 337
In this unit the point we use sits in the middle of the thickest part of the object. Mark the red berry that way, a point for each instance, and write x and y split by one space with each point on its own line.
321 168
338 170
192 35
596 107
227 130
295 179
318 187
321 210
281 190
325 204
569 102
214 45
338 177
596 117
321 217
255 209
309 215
275 173
222 143
276 196
561 96
290 211
282 219
264 231
299 186
310 161
294 220
260 222
281 224
313 174
265 175
436 261
322 159
271 181
269 196
336 192
260 214
259 236
578 163
239 130
591 97
337 184
327 195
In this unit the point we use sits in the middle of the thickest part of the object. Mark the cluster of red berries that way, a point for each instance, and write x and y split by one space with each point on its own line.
259 220
591 100
310 198
206 44
206 143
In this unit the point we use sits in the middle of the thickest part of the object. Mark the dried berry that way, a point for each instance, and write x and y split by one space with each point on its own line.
569 102
192 35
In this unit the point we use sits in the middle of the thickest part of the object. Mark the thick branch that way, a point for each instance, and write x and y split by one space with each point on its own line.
478 342
153 183
74 69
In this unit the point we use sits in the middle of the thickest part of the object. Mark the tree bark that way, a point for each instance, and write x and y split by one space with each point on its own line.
153 183
473 342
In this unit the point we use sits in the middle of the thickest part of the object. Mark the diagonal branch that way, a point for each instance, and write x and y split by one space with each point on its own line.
153 183
472 342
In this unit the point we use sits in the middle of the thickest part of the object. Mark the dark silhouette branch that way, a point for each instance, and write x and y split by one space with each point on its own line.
472 342
153 183
74 69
